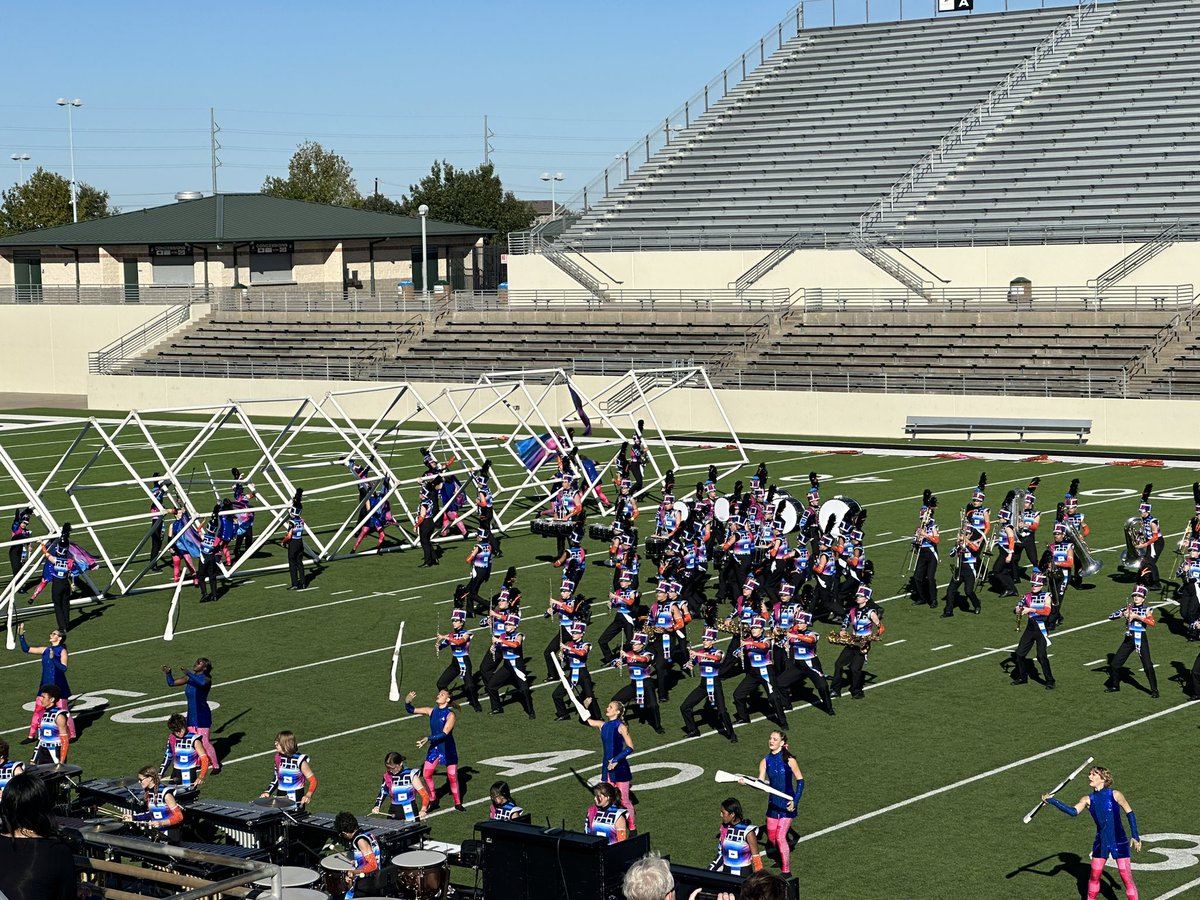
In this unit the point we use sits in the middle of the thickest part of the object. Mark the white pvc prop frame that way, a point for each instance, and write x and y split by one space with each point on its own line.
456 424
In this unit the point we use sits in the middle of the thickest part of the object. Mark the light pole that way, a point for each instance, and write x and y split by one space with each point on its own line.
557 176
424 211
20 159
69 104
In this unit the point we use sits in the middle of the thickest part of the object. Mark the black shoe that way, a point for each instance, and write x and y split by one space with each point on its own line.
1050 685
660 730
857 695
292 587
1154 695
691 732
424 566
742 720
1109 689
497 712
28 740
531 714
732 737
562 717
477 708
976 611
830 711
1017 681
458 807
947 615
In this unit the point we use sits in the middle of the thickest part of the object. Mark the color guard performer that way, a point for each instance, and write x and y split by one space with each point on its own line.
780 769
54 671
1037 608
1138 616
294 776
638 458
709 691
616 744
1106 805
864 624
196 685
442 748
1150 543
459 641
402 788
21 531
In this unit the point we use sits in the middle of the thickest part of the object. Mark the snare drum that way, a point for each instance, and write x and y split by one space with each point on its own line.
601 533
304 893
294 877
333 873
655 548
423 874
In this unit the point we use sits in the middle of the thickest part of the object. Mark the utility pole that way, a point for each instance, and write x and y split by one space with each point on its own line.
487 147
214 145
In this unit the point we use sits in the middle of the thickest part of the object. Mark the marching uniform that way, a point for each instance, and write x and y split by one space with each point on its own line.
1138 617
800 643
368 859
9 769
426 526
641 690
1062 561
735 855
1151 545
185 755
755 652
459 643
1038 608
290 781
210 546
861 622
163 815
295 550
623 603
1005 570
505 812
925 572
966 570
568 610
708 659
510 668
398 789
480 560
605 821
575 653
20 532
668 619
53 739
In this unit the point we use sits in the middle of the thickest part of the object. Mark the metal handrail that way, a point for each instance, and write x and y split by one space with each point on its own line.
1047 297
959 133
102 361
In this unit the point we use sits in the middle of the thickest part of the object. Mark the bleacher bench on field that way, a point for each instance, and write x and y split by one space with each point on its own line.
918 425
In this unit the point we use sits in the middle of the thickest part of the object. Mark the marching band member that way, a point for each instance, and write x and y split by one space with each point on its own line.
1028 525
566 507
575 652
480 561
926 539
863 622
567 608
1037 606
1188 594
669 617
607 817
63 566
1138 617
638 458
210 550
510 668
1151 543
244 531
1106 805
800 646
184 754
294 776
426 526
158 509
1005 569
377 516
54 733
737 847
506 602
709 658
1061 555
162 809
1195 627
9 768
442 748
21 531
1075 520
196 685
54 671
502 808
623 602
185 547
641 690
402 787
755 653
966 568
294 541
362 880
780 769
459 641
616 744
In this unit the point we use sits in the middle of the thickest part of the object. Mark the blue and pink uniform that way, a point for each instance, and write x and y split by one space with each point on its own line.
402 793
604 821
733 844
442 749
1111 840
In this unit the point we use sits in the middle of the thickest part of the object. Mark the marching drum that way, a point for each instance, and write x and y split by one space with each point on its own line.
839 506
655 548
547 527
601 533
722 509
295 877
681 511
788 511
333 872
423 874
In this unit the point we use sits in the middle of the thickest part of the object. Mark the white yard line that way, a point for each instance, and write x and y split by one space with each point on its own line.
1179 890
942 647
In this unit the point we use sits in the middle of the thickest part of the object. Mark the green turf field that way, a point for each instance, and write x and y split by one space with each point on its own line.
915 791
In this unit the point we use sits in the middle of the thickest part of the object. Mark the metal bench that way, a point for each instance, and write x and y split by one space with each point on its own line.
971 426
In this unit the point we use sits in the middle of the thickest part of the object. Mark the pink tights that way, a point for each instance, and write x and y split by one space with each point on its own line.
623 788
209 750
777 831
451 776
1126 876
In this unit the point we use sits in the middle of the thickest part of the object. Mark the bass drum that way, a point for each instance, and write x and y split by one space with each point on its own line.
788 511
681 511
722 509
841 507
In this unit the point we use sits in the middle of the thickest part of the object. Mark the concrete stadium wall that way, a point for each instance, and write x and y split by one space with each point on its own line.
1064 264
47 345
1173 424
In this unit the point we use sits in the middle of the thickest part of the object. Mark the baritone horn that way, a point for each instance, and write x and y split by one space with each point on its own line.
1091 565
1131 556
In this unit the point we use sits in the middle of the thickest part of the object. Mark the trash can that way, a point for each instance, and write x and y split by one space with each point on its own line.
1020 290
441 289
406 289
502 292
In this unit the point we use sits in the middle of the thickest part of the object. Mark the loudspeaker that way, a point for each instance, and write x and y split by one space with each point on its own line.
527 862
688 878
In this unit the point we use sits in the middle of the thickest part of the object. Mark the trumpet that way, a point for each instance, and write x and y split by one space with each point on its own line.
729 626
1124 611
846 639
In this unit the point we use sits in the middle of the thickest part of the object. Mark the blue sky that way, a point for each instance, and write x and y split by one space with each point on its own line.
389 86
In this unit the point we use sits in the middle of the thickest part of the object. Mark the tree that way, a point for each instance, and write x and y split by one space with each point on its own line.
381 204
44 201
316 175
469 197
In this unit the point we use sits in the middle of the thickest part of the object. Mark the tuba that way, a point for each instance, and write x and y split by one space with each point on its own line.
1091 565
1131 556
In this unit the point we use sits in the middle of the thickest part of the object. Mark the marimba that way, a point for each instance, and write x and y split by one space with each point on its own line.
245 824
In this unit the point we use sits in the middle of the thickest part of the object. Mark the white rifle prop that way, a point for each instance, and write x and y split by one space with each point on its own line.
562 677
394 691
725 777
169 632
1033 812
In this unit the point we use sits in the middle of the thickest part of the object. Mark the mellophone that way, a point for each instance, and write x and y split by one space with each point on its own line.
548 527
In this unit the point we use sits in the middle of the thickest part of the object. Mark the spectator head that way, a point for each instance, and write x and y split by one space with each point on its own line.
763 886
649 879
26 805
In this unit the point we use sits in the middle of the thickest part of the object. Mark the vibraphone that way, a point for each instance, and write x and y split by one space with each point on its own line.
247 825
123 793
59 779
311 833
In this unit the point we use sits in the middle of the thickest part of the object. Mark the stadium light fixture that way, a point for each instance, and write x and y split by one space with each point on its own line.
424 211
20 159
70 104
557 176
